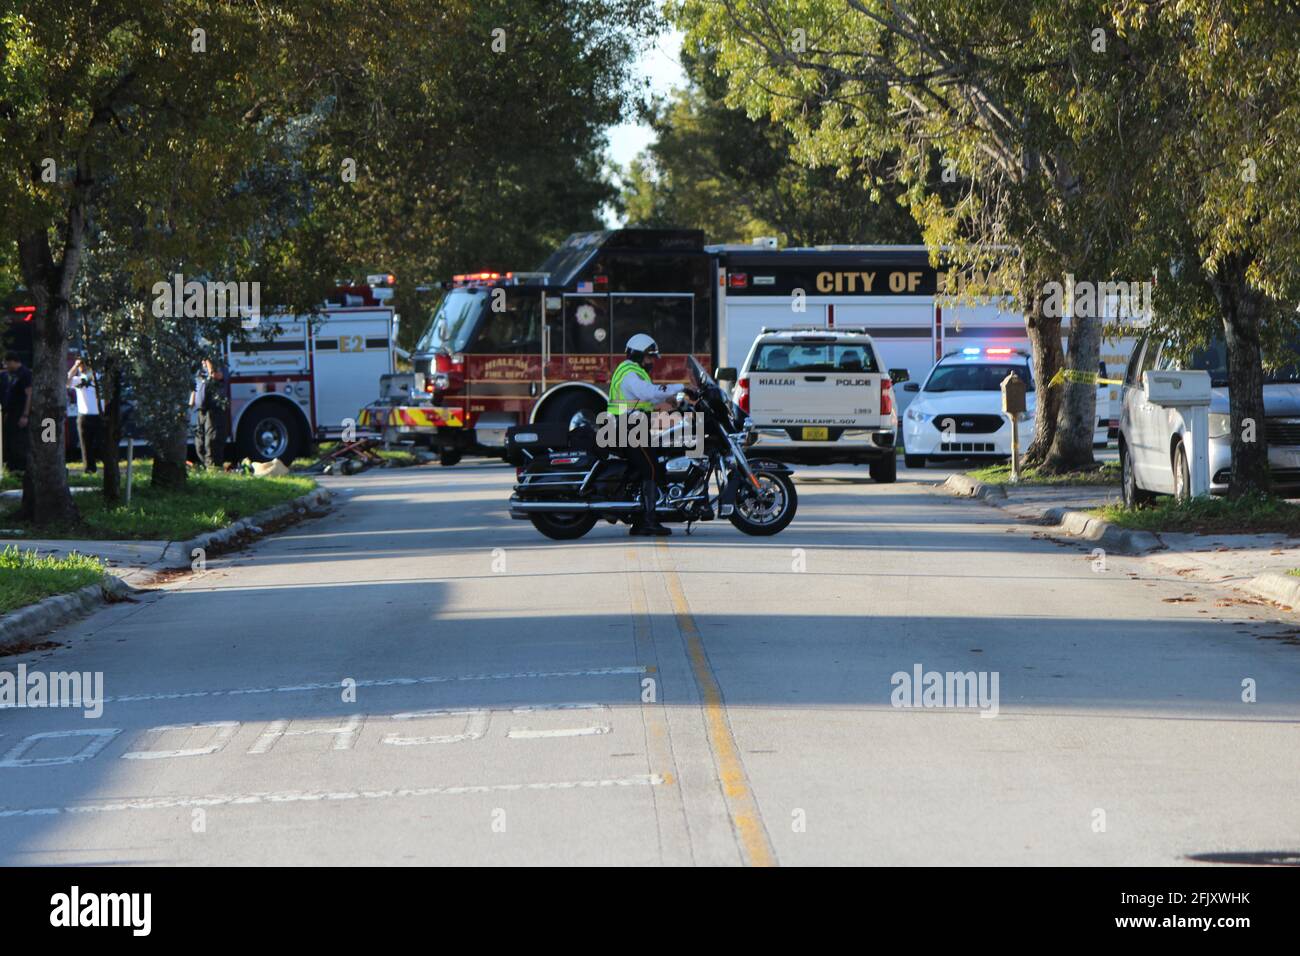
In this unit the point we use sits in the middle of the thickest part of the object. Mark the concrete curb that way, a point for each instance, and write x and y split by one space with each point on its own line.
179 554
1080 524
966 487
1275 586
56 611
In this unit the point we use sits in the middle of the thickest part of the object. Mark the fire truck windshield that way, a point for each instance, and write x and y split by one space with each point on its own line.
454 321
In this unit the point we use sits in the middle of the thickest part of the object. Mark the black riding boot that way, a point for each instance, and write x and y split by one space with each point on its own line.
647 525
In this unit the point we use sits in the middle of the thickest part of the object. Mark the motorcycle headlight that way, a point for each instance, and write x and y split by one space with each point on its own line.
1220 425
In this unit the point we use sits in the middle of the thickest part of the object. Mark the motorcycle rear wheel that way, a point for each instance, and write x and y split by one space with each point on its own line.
770 514
563 527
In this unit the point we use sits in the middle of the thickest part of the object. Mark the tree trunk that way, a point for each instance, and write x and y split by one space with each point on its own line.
110 383
169 463
1077 418
1045 339
46 498
1242 308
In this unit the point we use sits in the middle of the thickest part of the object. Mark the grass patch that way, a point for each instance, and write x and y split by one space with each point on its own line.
210 501
26 577
1000 474
1250 514
1294 572
77 478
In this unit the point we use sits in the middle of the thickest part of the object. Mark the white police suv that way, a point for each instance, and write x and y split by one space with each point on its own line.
957 412
816 396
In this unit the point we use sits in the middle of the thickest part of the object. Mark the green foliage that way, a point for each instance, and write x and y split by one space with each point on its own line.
26 576
713 167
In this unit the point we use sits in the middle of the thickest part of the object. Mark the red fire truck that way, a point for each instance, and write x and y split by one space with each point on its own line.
504 349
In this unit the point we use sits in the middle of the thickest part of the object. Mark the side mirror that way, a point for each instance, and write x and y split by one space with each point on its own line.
726 374
911 386
899 375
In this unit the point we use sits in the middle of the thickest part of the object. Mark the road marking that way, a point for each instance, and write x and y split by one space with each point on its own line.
99 739
320 796
476 725
524 733
756 847
384 682
225 730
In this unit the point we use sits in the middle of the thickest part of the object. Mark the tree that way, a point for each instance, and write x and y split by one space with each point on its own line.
975 93
1220 196
151 99
714 168
450 125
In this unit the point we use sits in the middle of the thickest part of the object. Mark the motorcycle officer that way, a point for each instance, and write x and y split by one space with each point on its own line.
631 392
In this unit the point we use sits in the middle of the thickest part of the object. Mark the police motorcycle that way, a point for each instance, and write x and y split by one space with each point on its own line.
567 481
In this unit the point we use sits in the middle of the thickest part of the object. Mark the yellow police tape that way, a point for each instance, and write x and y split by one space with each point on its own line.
1075 375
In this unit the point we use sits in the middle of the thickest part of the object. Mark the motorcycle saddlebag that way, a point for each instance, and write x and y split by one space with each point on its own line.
527 442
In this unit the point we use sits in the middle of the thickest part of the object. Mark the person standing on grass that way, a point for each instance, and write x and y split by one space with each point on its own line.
82 381
211 399
15 410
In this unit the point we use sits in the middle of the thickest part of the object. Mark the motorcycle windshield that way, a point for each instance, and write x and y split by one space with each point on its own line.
699 377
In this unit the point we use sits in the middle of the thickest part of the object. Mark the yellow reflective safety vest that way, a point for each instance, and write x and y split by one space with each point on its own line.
620 404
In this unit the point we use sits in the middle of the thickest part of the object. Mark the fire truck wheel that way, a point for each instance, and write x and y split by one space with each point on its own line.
562 408
448 456
270 432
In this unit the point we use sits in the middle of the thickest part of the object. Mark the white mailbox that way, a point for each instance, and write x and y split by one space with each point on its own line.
1188 394
1177 388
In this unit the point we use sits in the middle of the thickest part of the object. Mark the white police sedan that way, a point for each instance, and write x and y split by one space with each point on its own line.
957 412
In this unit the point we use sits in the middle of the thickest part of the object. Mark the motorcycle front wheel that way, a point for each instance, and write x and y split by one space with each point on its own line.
563 527
769 508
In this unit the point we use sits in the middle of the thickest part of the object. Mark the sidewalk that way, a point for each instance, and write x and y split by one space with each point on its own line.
1255 563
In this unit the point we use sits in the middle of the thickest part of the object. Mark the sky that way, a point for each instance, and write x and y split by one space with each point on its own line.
660 66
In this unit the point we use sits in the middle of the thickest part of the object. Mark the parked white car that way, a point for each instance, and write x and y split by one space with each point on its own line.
957 412
1153 459
820 396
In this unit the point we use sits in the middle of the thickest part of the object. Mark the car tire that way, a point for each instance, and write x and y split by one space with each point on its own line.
449 456
914 461
1132 495
1182 475
884 470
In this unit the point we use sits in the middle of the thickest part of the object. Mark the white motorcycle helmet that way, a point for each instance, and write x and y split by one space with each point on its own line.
642 349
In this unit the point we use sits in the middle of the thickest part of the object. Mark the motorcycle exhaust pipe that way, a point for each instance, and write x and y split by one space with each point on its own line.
572 506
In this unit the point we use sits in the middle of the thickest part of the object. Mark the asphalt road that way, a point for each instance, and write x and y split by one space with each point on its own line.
711 699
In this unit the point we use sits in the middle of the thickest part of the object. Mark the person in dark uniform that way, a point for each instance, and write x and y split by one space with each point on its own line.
15 410
212 402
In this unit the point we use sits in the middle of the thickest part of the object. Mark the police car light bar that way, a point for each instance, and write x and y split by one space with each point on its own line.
976 350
